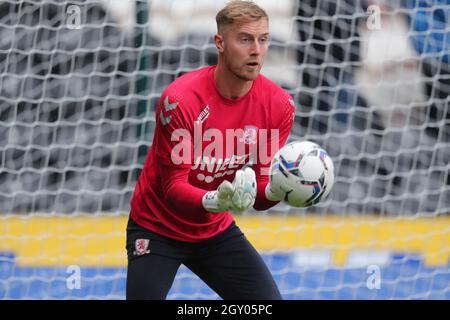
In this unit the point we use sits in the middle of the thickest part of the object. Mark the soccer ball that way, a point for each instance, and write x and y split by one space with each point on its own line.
304 171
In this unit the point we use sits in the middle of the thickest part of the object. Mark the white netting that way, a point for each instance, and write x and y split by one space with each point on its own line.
77 101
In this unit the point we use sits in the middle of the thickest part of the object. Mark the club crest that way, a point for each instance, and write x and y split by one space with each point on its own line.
141 247
250 135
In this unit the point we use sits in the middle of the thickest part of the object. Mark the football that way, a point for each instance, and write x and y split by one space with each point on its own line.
304 171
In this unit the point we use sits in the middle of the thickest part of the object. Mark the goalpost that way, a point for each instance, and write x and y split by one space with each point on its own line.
79 81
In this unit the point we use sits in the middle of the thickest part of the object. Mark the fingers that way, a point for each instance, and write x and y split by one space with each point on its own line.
226 188
249 192
250 181
249 185
245 189
238 183
225 192
239 195
239 180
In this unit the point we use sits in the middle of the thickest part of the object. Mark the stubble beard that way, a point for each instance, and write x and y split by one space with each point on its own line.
241 73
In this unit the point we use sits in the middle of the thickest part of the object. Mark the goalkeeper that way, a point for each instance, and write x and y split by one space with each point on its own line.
180 210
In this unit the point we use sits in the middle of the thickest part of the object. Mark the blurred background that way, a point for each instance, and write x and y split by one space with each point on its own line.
79 81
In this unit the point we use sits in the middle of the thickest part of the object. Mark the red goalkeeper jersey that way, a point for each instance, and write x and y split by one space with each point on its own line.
201 139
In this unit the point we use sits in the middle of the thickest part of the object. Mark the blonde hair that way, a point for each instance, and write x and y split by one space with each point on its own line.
239 11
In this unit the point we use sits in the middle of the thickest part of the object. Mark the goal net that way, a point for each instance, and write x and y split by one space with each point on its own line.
79 81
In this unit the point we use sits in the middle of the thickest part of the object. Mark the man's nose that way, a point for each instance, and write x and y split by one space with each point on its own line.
255 48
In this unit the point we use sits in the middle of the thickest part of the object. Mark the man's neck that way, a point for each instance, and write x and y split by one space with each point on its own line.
230 86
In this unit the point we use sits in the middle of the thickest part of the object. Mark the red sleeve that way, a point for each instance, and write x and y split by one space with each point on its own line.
173 134
283 123
178 192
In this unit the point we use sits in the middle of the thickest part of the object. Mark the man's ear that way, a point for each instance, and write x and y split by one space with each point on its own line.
218 40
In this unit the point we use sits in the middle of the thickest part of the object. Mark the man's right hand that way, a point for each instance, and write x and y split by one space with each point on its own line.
237 196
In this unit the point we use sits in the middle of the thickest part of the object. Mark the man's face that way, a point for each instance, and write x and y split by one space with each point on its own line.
244 48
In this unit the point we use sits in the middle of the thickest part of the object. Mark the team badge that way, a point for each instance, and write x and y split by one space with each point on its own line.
250 135
141 247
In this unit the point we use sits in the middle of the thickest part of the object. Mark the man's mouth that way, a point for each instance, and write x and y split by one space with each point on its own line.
252 64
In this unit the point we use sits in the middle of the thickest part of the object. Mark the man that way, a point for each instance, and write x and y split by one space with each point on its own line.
209 123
